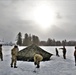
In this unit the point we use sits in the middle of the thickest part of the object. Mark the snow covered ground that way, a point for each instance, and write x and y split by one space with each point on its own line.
56 65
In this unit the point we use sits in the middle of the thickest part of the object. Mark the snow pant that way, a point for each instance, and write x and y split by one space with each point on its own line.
13 62
57 54
75 60
64 55
37 63
1 56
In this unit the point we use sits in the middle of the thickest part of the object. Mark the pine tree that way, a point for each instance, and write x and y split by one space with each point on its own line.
25 40
29 39
35 40
19 39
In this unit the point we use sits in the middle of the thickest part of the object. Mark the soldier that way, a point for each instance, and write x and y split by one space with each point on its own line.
37 59
14 53
57 53
1 54
64 52
75 55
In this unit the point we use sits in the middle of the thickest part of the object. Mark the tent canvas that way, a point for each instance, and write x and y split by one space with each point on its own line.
27 54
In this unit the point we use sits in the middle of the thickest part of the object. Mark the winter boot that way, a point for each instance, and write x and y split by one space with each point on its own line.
35 63
1 59
15 66
37 66
11 66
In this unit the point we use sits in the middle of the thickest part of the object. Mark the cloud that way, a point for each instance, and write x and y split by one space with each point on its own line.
11 23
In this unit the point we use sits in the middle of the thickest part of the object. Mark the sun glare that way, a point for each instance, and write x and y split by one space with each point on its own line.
44 16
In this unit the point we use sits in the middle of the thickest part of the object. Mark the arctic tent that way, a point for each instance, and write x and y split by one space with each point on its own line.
27 54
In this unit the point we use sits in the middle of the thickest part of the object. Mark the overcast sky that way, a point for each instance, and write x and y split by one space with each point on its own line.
17 16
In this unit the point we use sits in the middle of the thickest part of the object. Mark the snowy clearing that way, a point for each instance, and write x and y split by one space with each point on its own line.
56 65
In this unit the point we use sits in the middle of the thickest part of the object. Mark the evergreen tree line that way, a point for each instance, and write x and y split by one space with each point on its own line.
29 39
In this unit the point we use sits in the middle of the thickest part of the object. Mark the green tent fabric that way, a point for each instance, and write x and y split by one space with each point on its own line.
27 54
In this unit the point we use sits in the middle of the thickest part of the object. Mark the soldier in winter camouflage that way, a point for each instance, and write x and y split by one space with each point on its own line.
57 53
1 54
75 55
37 59
14 53
64 52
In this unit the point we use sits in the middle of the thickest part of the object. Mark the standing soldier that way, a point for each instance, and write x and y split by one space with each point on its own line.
14 53
1 54
57 53
75 55
64 52
37 59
